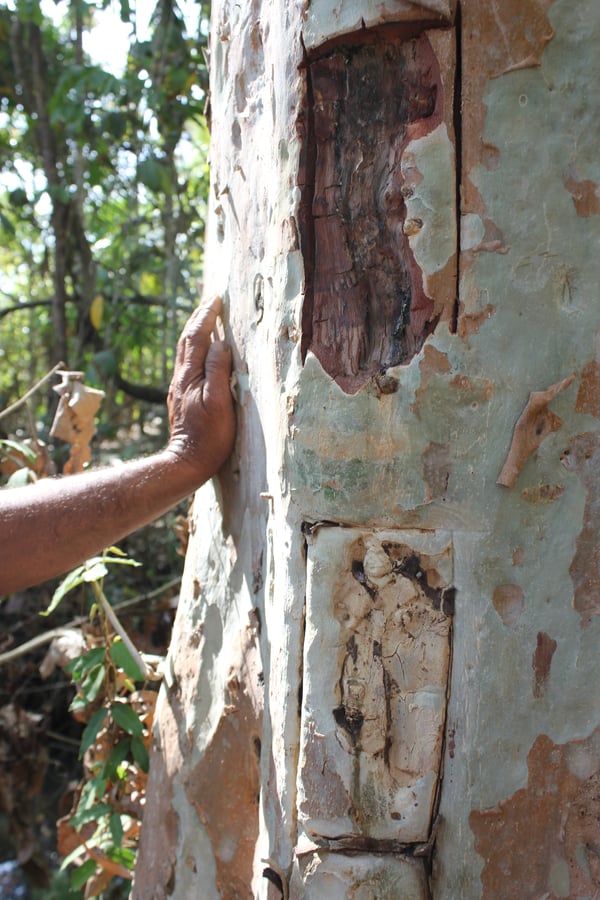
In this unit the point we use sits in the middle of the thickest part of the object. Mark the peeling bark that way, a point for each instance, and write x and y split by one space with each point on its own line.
534 425
583 458
509 603
543 841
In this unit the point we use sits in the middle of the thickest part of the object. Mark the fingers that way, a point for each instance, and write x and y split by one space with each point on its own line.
195 339
218 364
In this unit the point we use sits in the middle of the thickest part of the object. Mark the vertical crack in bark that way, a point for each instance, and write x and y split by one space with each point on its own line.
306 180
457 116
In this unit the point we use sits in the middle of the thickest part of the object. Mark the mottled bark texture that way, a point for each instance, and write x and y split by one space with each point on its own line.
381 682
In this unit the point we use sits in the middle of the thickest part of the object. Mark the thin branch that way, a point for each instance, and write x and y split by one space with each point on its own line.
27 304
48 636
38 641
112 618
18 403
129 300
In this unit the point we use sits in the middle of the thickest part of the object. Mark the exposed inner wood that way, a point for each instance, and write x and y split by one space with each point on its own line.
365 307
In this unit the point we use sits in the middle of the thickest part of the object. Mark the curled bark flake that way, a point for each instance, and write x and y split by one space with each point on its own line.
535 423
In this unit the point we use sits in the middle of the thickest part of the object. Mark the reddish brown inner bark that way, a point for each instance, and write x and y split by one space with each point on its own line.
365 308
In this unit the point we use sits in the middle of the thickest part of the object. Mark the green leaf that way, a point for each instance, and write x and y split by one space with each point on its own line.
90 687
18 197
116 828
73 580
21 477
154 174
115 124
126 718
7 224
140 754
106 362
78 705
122 855
88 808
90 732
85 663
116 757
90 814
123 659
92 570
82 874
116 551
95 571
21 450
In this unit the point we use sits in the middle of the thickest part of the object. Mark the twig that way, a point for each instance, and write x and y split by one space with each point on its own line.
38 641
10 409
113 868
112 618
62 738
48 636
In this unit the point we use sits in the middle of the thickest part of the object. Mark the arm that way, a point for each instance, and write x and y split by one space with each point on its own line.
49 527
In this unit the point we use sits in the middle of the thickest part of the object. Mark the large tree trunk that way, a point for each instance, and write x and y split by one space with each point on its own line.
382 676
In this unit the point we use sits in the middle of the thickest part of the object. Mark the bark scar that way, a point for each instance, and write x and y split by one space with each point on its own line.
535 423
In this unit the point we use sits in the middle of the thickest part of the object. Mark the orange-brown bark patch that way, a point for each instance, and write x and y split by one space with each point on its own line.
543 493
585 194
534 425
509 603
541 662
544 840
224 785
588 396
583 458
470 322
157 854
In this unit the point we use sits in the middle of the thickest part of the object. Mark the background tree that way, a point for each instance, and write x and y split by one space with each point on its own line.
103 206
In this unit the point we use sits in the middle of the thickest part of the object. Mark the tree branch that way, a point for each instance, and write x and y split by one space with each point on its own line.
18 403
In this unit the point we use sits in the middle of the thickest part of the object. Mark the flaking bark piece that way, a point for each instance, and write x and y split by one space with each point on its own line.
535 423
74 419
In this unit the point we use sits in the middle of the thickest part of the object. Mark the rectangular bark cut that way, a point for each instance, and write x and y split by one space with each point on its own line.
335 877
326 20
378 221
376 664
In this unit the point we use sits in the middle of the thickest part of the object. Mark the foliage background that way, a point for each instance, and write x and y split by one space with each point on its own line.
103 186
103 181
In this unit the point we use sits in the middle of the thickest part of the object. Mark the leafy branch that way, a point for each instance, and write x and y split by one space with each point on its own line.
100 835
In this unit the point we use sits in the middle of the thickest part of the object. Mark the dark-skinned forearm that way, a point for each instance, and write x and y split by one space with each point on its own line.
48 528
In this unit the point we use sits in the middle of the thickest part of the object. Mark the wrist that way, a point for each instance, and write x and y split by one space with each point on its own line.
183 464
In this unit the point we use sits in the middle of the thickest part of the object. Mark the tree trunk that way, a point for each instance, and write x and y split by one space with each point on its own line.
380 680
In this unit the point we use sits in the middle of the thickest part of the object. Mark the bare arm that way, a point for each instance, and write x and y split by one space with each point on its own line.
49 527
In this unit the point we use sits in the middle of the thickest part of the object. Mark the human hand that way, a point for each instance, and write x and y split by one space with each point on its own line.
200 404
